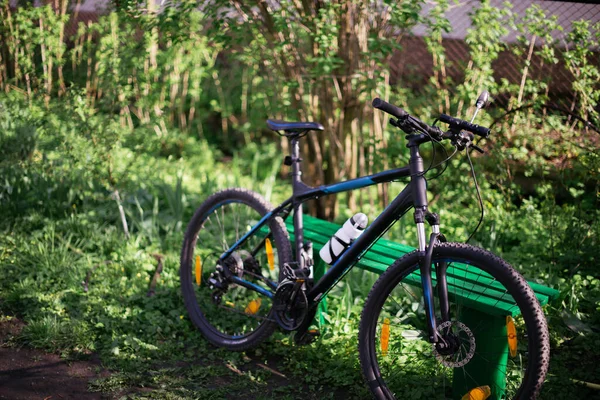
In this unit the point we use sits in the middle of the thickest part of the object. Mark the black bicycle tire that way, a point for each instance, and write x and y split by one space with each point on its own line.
538 340
281 238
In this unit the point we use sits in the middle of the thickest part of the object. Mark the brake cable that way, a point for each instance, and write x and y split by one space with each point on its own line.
478 194
445 162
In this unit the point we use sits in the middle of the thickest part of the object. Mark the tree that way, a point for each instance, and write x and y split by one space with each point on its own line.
323 61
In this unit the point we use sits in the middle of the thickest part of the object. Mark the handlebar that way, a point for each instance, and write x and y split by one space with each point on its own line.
403 117
455 123
467 126
389 108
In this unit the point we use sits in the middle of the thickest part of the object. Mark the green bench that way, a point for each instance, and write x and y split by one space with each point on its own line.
485 307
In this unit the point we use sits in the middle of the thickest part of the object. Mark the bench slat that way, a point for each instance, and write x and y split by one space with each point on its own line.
321 233
484 286
477 291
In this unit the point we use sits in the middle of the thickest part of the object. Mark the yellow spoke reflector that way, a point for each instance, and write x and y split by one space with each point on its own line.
198 270
511 333
479 393
270 255
253 307
385 336
229 304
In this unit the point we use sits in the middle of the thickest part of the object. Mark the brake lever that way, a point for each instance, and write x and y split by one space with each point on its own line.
479 149
467 141
403 125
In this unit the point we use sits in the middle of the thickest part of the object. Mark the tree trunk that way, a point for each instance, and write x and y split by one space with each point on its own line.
293 30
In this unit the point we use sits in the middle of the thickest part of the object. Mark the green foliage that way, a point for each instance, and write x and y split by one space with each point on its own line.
586 73
485 43
47 253
156 80
143 116
313 61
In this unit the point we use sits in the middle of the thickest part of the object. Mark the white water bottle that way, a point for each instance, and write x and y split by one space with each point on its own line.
339 242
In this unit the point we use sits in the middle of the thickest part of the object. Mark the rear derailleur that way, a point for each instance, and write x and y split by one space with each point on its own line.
219 280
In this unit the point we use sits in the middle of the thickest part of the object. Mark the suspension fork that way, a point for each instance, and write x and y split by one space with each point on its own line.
426 255
440 268
426 251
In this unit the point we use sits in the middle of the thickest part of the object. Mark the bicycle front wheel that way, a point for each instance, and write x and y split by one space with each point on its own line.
496 343
229 314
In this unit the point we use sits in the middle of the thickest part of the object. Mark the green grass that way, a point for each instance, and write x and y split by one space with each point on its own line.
147 342
61 225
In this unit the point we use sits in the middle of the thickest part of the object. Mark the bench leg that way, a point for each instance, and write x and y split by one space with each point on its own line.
488 365
320 268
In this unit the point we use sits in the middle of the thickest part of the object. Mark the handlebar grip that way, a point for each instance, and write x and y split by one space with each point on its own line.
467 126
389 108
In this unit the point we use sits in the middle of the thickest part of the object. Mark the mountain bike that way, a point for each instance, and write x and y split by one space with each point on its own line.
242 276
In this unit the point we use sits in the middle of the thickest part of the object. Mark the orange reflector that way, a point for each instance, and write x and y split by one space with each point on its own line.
253 307
198 270
385 336
511 333
270 255
479 393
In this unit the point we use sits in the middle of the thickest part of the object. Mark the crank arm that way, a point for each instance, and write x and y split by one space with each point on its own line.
302 330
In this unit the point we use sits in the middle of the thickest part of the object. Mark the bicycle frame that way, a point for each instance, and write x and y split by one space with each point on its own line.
413 195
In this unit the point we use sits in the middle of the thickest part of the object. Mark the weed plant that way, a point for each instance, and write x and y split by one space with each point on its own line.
61 233
100 176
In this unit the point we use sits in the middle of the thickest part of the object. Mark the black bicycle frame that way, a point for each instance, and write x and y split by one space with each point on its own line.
413 195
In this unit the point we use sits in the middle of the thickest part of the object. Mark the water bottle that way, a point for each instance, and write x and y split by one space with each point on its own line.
339 242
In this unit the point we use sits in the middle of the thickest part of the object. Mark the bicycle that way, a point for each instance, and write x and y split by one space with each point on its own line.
241 278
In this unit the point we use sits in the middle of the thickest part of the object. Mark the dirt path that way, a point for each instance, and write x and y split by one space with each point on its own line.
27 374
34 374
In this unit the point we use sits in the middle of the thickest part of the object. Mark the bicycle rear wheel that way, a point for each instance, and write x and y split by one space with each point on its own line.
228 314
507 360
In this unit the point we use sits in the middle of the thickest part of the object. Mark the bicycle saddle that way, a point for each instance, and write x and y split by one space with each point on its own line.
277 125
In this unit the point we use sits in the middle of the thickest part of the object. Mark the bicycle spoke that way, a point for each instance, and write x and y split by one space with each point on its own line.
232 309
467 283
246 314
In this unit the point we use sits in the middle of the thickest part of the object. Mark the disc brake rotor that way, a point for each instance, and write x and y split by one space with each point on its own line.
458 337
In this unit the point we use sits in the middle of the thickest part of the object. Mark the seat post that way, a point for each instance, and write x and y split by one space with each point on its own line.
296 172
296 182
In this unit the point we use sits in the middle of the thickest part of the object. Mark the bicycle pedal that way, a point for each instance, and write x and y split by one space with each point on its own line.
307 337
